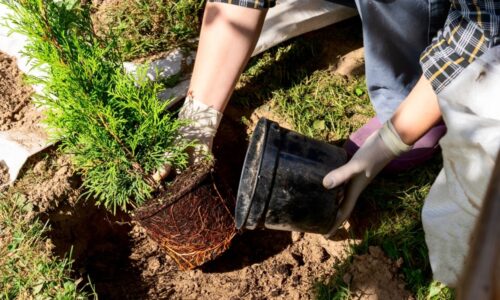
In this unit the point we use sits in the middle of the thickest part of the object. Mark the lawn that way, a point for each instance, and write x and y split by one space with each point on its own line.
28 270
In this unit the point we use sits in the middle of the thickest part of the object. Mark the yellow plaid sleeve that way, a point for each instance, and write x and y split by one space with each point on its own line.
470 29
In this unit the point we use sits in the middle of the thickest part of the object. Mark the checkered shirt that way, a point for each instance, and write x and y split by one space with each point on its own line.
471 28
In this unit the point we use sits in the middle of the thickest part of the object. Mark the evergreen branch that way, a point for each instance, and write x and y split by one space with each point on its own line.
114 125
136 166
50 38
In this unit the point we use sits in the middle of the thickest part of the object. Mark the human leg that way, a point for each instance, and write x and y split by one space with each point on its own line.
395 33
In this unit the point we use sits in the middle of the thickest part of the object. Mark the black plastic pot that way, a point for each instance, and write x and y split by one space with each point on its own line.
281 182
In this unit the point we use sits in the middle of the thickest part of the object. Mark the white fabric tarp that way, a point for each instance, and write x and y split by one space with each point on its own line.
471 111
288 19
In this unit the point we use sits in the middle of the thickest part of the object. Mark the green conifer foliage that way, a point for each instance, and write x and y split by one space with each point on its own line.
112 123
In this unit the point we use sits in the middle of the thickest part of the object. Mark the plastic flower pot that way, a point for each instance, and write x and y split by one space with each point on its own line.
281 183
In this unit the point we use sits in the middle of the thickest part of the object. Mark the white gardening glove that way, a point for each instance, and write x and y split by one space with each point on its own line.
202 123
377 151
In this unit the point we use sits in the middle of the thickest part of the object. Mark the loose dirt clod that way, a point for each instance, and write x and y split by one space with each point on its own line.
62 186
49 180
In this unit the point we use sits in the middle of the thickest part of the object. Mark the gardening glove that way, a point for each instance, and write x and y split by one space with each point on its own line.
377 151
202 123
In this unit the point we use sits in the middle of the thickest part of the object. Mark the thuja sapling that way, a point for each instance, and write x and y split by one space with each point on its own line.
112 123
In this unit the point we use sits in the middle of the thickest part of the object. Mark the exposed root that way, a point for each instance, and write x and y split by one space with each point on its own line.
191 221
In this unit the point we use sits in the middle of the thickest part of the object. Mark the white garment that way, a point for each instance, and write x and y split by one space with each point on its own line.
291 18
471 110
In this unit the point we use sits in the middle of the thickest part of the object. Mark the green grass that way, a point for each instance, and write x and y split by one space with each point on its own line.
147 27
398 201
27 268
271 71
325 106
294 82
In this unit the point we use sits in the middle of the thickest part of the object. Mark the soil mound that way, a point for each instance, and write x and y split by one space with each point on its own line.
373 276
16 110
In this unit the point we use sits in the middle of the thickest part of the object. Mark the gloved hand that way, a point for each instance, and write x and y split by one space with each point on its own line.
378 150
202 123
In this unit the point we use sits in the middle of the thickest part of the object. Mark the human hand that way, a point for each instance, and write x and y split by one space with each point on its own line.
202 123
378 150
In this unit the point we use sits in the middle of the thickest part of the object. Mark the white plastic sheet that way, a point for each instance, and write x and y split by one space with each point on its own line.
17 146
